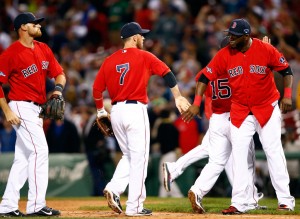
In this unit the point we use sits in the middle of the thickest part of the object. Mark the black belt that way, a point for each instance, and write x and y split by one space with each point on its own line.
30 101
127 102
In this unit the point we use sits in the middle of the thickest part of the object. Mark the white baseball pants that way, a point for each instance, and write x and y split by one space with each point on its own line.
30 161
270 137
131 127
219 124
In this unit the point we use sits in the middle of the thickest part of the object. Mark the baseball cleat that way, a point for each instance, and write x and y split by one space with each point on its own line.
231 210
45 212
113 201
167 177
144 212
283 207
15 213
196 202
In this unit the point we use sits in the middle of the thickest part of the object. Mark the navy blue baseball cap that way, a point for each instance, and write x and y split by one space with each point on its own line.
25 18
131 29
239 27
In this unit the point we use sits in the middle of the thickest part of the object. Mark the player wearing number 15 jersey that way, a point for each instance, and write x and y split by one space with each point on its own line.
215 145
249 64
125 74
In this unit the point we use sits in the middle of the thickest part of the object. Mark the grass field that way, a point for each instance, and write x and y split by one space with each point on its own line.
163 208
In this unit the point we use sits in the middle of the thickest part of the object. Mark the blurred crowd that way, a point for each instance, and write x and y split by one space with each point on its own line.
185 34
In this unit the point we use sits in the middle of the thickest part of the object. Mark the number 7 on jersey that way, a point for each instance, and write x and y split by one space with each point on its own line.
122 69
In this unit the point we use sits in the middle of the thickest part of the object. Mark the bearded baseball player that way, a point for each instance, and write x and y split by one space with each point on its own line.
125 74
24 66
216 145
249 64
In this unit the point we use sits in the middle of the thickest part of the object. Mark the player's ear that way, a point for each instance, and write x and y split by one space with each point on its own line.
23 27
134 37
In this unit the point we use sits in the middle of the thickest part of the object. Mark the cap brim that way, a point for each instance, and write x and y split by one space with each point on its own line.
233 33
145 31
39 20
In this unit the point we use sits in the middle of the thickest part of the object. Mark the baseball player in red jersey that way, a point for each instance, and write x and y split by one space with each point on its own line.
215 145
125 74
24 66
217 101
249 64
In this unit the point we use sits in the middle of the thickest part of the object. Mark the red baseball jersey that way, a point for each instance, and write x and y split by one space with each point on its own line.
125 74
250 78
25 70
217 95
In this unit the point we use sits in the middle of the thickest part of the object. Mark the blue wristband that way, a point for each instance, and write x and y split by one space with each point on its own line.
59 87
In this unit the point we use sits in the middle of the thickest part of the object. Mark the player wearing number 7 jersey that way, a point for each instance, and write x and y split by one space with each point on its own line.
125 74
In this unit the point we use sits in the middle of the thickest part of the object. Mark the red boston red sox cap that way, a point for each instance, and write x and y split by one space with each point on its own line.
131 29
239 27
25 18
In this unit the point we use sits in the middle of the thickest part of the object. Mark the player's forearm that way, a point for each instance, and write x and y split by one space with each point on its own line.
287 74
4 106
200 90
3 103
288 82
175 91
60 79
98 98
60 82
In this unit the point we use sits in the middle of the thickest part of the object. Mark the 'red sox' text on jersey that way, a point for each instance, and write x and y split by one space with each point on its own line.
23 78
250 78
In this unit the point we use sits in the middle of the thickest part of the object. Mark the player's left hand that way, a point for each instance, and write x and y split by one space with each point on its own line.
285 105
188 115
54 108
182 104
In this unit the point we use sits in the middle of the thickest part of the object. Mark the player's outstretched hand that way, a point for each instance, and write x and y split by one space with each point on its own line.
182 104
285 105
192 111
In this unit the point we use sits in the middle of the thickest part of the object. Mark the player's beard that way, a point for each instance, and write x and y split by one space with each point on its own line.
139 43
36 32
240 45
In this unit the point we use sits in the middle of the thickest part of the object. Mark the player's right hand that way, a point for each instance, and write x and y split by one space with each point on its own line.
182 104
189 114
12 118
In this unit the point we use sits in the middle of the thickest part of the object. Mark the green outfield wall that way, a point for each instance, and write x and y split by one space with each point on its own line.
69 175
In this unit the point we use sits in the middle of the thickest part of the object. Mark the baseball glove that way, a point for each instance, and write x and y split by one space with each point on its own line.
54 108
104 124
